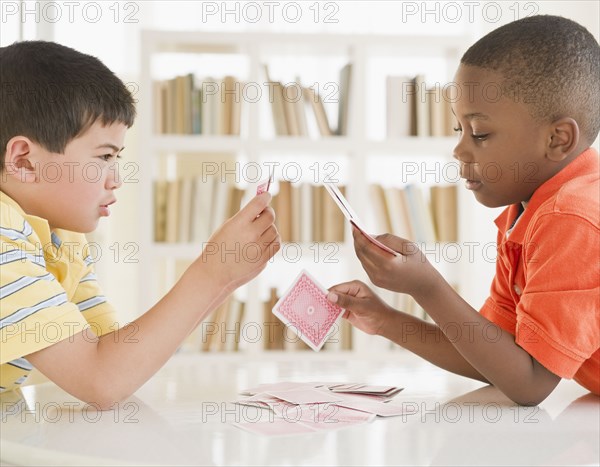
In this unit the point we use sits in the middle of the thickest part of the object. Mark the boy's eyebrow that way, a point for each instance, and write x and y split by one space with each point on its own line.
476 115
110 146
473 115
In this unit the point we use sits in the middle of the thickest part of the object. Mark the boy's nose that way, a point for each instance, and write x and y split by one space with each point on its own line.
115 179
460 152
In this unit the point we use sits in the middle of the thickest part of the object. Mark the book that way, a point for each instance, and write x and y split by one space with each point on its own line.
221 200
299 109
317 218
273 335
157 106
172 210
202 208
380 209
398 213
437 112
334 222
318 111
307 215
160 210
422 107
283 211
235 123
344 99
185 209
400 101
420 214
444 208
289 111
296 212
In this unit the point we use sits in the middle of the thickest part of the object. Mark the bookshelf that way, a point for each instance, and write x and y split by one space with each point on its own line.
363 154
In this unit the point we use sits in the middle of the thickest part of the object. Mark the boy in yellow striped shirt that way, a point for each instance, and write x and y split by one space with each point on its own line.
63 112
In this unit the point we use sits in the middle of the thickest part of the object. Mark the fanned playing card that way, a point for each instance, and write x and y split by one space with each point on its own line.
305 308
265 184
349 213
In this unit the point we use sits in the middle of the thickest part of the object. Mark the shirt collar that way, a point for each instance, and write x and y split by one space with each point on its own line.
585 163
39 225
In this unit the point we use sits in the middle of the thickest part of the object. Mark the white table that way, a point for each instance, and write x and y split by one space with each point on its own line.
183 415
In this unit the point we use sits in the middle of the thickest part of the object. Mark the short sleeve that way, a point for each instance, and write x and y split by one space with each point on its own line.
35 312
558 316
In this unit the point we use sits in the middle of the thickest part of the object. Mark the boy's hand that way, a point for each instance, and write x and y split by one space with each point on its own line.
239 250
364 309
409 273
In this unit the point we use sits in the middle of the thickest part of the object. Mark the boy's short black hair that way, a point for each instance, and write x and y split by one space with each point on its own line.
550 63
51 94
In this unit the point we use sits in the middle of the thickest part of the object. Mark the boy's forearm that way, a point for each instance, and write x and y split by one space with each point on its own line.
158 333
429 342
488 349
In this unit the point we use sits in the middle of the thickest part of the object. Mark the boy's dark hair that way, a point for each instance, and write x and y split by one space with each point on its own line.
51 94
550 63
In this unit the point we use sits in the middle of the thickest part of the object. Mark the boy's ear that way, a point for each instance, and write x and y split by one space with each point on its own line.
564 138
18 161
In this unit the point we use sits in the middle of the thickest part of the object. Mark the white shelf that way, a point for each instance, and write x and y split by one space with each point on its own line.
410 146
313 44
253 146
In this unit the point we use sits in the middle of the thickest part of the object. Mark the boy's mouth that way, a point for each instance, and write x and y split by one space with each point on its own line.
104 208
473 184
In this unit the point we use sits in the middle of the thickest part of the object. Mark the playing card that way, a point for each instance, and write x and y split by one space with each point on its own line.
369 390
265 184
305 308
349 213
305 396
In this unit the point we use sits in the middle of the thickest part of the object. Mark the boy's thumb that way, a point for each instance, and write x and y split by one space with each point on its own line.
343 300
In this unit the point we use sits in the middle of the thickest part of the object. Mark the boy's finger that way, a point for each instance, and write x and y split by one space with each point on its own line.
366 251
343 300
399 244
255 206
349 288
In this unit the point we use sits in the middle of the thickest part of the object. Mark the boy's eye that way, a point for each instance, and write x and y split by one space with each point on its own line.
107 157
480 137
457 130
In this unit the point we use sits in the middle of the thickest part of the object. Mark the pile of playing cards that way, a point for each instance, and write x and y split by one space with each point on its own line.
296 408
304 308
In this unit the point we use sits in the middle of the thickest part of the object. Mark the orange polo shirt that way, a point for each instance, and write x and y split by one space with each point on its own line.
546 291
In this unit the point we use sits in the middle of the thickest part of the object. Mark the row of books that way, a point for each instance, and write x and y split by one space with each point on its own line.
209 107
184 105
299 111
189 209
407 212
228 329
413 109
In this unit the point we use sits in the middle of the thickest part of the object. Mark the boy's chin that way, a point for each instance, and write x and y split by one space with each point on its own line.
78 227
490 202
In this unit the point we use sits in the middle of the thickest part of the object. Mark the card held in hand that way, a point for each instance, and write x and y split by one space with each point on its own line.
349 213
305 308
265 184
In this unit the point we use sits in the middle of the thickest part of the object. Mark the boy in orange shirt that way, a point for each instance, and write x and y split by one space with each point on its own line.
541 321
62 114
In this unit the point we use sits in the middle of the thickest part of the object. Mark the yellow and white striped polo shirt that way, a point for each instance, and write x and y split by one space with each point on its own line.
48 290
